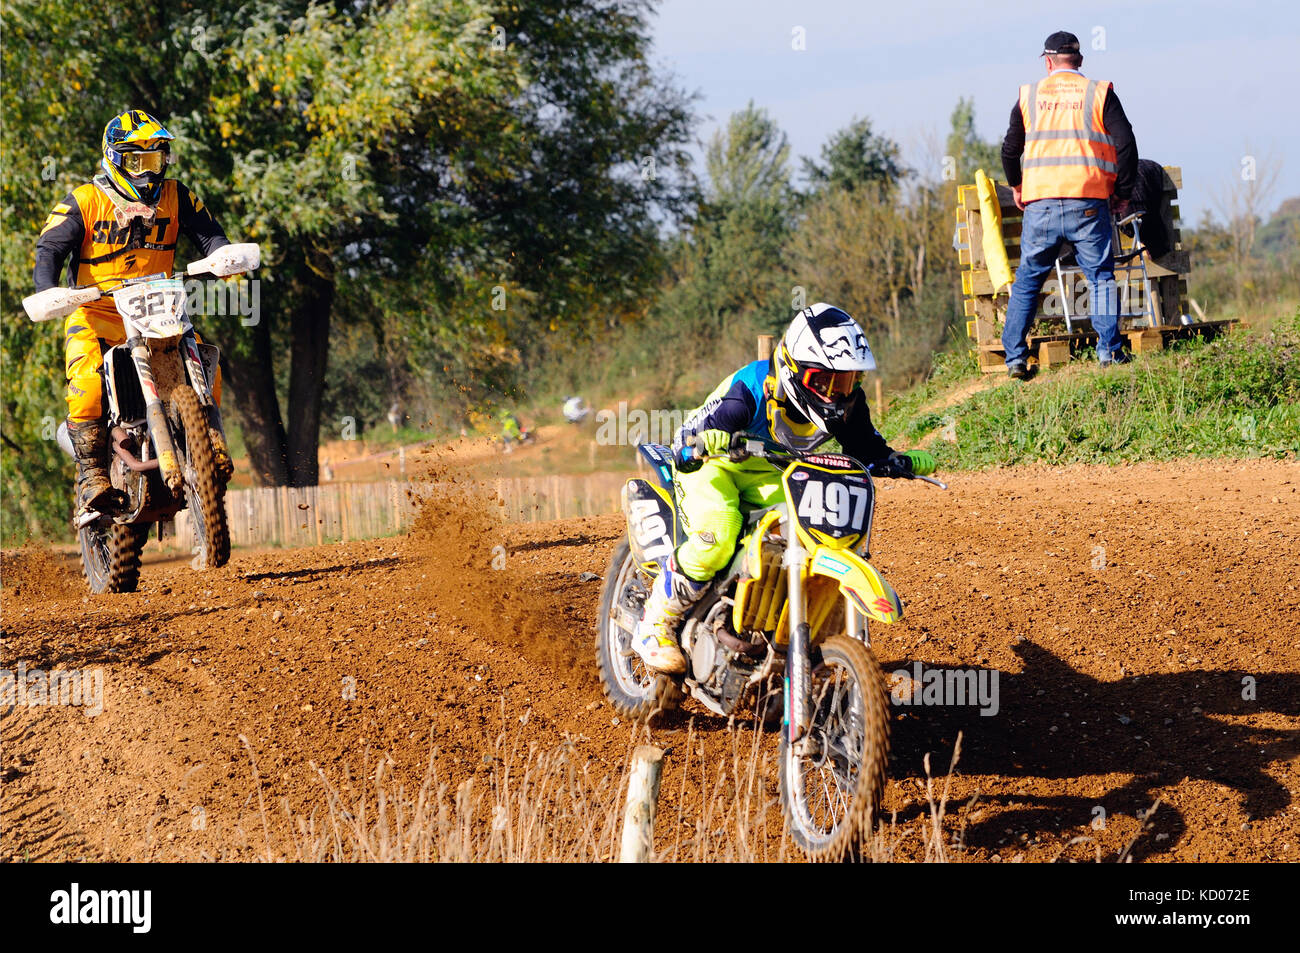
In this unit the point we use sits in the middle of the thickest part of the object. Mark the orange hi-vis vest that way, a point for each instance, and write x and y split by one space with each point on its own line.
1068 153
104 253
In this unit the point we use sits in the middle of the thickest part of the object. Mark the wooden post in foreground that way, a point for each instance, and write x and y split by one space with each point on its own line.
642 799
765 346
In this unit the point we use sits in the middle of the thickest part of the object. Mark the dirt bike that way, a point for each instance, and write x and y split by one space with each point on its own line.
509 442
792 606
168 447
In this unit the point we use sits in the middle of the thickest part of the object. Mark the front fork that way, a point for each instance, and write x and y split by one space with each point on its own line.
855 623
159 432
797 664
797 677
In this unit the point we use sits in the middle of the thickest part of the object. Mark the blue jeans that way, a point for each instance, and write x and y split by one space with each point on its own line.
1084 223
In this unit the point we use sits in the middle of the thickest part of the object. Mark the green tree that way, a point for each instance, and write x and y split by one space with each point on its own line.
853 157
730 261
966 149
748 162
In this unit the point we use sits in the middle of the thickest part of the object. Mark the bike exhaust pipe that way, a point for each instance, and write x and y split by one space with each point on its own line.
133 463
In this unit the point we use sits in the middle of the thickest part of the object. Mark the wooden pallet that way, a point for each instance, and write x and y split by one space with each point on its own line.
987 312
1053 349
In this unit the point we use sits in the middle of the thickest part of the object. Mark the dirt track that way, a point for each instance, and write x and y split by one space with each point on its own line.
1122 608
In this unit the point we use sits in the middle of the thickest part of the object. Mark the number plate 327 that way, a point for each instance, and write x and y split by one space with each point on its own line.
155 309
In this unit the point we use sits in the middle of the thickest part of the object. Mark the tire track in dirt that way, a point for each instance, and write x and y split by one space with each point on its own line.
1122 609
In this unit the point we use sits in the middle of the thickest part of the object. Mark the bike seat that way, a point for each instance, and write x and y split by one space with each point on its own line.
752 517
660 459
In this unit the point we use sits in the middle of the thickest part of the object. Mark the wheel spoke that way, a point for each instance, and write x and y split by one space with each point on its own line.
826 775
629 670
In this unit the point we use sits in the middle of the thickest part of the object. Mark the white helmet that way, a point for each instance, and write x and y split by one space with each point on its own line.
820 361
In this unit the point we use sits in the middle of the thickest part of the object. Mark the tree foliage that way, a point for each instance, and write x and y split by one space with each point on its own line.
966 149
469 178
748 162
855 157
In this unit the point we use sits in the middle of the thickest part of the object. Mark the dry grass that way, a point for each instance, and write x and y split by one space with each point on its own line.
557 805
536 804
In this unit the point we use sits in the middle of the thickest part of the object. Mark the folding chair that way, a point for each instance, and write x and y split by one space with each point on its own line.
1126 263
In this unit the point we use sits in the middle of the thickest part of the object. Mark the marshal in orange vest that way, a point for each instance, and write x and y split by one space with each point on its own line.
1068 153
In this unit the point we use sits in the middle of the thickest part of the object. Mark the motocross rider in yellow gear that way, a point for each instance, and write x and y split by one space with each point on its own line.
807 393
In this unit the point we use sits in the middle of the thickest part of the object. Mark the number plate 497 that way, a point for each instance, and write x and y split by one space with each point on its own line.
833 504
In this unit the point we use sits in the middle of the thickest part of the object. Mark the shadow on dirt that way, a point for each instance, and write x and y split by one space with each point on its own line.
581 540
140 653
318 571
1055 722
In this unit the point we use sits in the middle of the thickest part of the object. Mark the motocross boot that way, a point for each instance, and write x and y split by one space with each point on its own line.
655 639
90 444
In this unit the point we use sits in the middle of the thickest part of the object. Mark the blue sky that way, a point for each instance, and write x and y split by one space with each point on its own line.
1203 83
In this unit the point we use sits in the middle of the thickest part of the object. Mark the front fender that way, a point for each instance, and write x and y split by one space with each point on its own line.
859 581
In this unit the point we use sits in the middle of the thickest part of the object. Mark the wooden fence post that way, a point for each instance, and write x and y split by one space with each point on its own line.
642 799
765 346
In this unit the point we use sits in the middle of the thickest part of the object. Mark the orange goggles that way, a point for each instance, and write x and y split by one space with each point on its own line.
138 163
830 384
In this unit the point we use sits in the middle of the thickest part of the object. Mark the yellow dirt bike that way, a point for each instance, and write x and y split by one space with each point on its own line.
791 608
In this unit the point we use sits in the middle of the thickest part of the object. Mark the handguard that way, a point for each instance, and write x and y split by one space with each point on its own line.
228 260
54 303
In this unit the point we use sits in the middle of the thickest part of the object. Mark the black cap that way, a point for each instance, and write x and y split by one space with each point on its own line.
1060 42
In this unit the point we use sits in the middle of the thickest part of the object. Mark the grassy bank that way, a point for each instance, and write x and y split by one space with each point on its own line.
1236 396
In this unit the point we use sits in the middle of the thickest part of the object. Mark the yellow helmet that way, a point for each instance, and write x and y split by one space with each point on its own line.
136 151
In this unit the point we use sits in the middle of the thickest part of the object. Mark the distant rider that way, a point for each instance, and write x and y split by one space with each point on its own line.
124 223
511 432
803 396
575 410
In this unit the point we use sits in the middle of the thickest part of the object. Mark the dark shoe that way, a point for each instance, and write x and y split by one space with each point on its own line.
1019 370
90 445
1119 357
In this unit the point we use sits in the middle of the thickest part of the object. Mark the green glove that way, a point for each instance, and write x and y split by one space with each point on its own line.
923 464
713 442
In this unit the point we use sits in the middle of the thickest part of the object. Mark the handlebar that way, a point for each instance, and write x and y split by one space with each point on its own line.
103 287
226 262
745 445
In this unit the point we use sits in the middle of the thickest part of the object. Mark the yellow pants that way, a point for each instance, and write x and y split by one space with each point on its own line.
710 501
83 356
